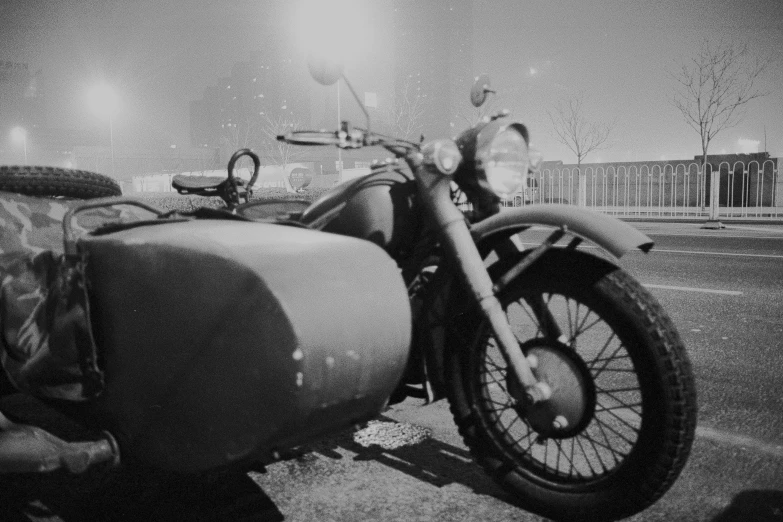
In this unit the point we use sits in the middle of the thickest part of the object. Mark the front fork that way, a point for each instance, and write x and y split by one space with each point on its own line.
460 247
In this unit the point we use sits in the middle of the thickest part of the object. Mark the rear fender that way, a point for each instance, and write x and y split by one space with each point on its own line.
609 233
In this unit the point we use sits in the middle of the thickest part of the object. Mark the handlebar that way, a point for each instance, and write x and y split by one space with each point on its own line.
310 138
349 138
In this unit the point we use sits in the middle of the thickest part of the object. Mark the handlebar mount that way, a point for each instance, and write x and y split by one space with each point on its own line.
349 138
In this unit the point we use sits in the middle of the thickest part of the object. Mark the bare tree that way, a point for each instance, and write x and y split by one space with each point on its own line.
575 131
404 115
279 152
240 134
713 88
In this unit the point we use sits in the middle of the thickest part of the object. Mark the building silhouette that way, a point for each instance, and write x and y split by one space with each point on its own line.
433 43
258 99
422 90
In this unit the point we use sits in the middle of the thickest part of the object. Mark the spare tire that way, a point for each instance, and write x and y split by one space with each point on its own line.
56 181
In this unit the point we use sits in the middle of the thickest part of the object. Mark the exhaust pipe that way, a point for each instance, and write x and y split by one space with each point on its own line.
29 449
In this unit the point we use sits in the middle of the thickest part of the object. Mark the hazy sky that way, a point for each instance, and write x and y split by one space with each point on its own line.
161 55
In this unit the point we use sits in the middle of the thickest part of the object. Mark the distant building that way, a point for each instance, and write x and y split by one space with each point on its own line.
21 96
433 62
259 99
22 104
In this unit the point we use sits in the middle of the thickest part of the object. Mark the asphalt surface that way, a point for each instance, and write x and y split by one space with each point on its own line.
724 290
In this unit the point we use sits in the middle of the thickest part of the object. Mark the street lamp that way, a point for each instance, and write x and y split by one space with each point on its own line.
19 135
335 29
104 102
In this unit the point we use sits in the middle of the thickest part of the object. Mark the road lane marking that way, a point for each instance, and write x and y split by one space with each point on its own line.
691 289
724 437
655 249
735 439
652 233
735 254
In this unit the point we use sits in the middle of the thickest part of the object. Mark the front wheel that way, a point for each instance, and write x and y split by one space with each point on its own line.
619 426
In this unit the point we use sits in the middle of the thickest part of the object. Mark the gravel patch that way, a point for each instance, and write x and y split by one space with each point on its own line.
391 435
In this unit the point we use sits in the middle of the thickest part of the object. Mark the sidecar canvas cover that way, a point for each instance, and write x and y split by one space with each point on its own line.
223 341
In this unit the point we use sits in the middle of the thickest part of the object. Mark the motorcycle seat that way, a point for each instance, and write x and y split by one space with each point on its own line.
195 183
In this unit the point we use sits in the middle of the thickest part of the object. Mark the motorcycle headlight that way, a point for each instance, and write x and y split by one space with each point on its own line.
495 163
504 160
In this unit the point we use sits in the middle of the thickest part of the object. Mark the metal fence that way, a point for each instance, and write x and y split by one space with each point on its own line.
745 190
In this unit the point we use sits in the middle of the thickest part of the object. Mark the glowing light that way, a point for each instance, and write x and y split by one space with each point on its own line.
19 135
103 100
337 29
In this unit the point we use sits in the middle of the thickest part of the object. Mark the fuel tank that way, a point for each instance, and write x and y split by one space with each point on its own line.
226 341
379 207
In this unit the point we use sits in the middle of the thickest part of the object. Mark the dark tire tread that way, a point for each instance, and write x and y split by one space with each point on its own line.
57 182
659 469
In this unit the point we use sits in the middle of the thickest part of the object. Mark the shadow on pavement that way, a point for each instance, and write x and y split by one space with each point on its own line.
755 505
430 461
111 496
101 494
70 498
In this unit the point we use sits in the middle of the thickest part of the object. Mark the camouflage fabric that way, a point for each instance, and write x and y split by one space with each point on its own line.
29 224
47 347
34 224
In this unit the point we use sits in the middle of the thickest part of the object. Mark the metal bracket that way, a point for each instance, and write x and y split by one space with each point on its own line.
69 241
528 260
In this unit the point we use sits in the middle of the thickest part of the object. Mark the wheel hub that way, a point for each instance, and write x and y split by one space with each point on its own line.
572 404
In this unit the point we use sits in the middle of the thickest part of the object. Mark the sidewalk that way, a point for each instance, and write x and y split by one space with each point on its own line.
679 227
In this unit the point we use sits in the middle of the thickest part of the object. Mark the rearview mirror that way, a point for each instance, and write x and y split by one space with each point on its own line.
481 87
324 70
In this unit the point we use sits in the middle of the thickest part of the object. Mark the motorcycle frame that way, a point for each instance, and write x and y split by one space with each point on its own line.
466 247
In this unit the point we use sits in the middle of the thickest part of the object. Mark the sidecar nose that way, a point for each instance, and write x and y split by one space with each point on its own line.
227 341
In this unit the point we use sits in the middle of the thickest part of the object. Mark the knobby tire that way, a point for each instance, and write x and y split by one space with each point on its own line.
57 182
543 476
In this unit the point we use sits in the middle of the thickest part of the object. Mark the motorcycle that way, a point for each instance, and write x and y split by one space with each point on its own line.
222 339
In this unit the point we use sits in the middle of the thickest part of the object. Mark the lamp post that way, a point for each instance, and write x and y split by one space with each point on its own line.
104 102
337 29
339 125
20 135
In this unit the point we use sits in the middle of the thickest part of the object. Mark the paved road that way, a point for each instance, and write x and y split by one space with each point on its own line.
727 301
724 290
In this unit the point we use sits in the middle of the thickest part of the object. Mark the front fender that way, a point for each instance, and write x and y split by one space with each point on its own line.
608 232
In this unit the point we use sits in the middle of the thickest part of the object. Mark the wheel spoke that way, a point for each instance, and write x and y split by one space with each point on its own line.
602 425
569 460
618 407
581 328
623 421
609 391
608 360
573 466
595 443
601 351
587 460
569 318
551 321
530 439
529 311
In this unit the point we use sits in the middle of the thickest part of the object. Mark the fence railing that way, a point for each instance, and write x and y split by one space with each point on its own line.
747 190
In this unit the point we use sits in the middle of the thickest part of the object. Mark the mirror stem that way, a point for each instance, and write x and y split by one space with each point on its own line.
359 101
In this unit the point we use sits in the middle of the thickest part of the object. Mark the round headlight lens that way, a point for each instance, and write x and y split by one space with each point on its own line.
506 162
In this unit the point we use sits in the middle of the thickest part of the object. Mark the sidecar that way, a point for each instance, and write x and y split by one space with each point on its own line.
217 341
